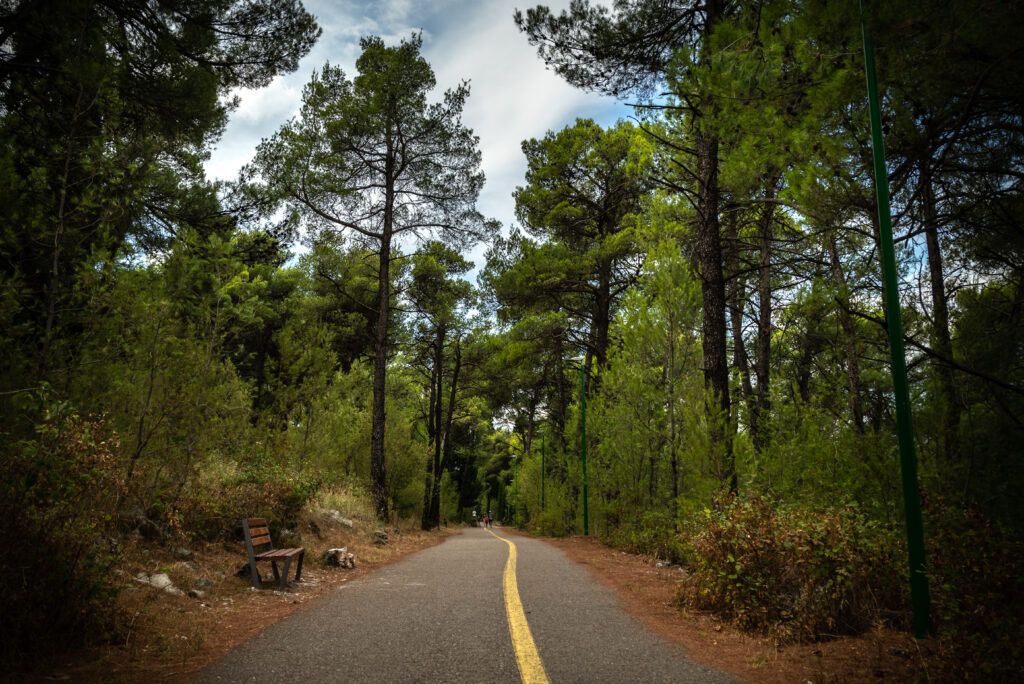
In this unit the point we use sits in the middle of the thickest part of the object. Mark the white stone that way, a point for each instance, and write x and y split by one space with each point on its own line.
338 517
339 558
161 580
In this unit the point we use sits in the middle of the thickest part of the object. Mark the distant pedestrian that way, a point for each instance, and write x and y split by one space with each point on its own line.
488 520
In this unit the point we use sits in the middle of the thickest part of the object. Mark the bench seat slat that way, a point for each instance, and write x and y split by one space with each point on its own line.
279 553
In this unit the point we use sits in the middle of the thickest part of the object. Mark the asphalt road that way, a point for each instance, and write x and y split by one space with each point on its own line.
440 616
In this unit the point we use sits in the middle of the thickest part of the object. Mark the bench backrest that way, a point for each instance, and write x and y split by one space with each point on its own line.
257 533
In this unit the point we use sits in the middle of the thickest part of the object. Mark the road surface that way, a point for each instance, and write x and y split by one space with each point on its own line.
462 612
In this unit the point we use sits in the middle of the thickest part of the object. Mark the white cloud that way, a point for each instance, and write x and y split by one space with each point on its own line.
278 101
513 97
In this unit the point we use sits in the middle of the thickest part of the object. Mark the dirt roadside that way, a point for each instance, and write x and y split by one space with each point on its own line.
648 592
167 638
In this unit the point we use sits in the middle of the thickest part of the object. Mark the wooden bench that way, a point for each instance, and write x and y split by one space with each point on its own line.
257 534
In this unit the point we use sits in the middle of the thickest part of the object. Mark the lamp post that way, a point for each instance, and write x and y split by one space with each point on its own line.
904 430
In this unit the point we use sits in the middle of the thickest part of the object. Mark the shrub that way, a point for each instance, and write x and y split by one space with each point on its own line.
793 573
56 502
977 589
551 523
653 533
212 508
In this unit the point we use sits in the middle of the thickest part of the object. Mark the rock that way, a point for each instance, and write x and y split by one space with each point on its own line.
196 594
381 537
661 564
203 583
181 553
338 517
161 580
339 558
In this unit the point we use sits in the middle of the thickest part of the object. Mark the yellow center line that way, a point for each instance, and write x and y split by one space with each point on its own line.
531 669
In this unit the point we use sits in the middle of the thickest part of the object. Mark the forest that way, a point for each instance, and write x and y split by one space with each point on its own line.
681 346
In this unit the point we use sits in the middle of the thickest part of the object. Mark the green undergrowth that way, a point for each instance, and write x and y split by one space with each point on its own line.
652 534
71 497
790 572
57 505
977 589
799 574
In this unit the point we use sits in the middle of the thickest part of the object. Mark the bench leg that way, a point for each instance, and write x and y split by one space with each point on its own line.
298 570
277 576
254 575
284 575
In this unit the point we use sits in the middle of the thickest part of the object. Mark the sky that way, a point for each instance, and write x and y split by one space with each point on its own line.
513 97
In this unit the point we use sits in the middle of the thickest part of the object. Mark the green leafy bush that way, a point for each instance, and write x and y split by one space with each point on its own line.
57 497
793 573
551 523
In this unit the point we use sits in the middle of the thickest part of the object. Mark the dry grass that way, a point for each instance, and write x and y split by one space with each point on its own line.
163 637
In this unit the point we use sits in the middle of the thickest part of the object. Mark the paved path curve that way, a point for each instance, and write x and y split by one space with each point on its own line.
440 616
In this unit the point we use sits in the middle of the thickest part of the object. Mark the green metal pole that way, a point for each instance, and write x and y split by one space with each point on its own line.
583 443
904 430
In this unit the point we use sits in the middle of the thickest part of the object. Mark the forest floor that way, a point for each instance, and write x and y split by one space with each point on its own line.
168 638
648 593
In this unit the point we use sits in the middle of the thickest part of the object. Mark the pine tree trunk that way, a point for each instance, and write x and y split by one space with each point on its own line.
562 399
433 430
735 294
380 360
709 254
950 406
378 476
602 316
445 453
762 365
